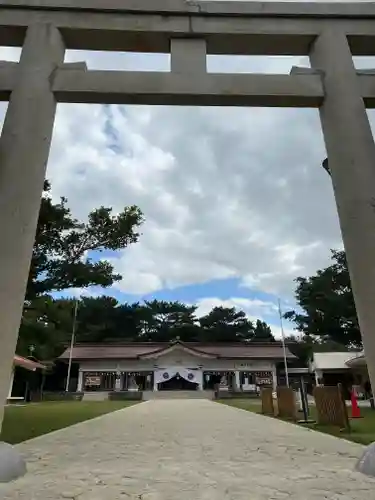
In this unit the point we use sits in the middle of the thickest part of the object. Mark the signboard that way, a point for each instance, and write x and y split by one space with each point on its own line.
263 381
263 374
253 366
93 380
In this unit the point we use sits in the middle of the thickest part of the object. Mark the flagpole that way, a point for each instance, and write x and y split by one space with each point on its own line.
72 345
284 348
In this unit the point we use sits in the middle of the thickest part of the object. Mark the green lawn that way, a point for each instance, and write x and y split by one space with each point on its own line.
26 422
362 429
246 404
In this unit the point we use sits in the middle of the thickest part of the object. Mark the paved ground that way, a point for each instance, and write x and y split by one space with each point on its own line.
189 450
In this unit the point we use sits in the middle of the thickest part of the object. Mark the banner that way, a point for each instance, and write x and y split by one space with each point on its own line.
193 376
163 375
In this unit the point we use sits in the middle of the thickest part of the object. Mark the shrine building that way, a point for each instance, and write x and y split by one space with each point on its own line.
177 365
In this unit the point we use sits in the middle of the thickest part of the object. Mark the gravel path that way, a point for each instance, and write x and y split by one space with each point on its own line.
189 450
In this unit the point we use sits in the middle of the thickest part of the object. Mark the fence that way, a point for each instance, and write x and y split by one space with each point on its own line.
286 403
330 406
267 402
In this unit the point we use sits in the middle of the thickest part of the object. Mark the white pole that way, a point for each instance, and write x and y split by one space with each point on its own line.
72 345
284 348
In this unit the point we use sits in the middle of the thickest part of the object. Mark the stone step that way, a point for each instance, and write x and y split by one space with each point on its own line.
149 395
95 396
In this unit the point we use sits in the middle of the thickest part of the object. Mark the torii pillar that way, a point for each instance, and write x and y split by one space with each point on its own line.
351 155
24 149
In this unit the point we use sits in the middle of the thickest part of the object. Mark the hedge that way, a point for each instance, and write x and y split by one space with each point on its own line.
125 396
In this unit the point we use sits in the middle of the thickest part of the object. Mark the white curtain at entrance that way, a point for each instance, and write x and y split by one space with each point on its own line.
164 375
194 376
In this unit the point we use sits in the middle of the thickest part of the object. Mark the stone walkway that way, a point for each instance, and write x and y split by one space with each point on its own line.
189 450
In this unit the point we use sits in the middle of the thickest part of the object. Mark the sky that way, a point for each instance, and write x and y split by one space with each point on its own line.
235 200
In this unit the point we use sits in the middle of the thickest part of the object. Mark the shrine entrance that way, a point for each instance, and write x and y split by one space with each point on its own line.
178 383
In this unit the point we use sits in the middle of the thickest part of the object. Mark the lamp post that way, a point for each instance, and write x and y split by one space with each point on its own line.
325 165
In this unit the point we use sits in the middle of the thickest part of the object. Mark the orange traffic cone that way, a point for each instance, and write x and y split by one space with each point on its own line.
356 412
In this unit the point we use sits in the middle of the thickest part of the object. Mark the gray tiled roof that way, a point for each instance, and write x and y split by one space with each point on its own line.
136 350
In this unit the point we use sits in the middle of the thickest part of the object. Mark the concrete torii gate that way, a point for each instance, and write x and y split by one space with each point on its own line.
329 33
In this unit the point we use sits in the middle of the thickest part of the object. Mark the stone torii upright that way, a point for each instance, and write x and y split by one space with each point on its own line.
329 33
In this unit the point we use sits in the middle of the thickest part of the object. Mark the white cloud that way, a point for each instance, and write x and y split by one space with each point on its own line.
237 197
226 192
254 308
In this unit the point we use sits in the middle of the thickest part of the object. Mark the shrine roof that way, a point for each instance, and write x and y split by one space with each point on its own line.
149 350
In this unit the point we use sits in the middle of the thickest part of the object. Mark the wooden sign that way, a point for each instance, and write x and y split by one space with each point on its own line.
263 381
93 380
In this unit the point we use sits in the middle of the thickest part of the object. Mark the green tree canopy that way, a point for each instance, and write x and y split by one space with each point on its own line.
48 323
226 324
304 346
262 332
97 318
60 256
162 321
326 302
